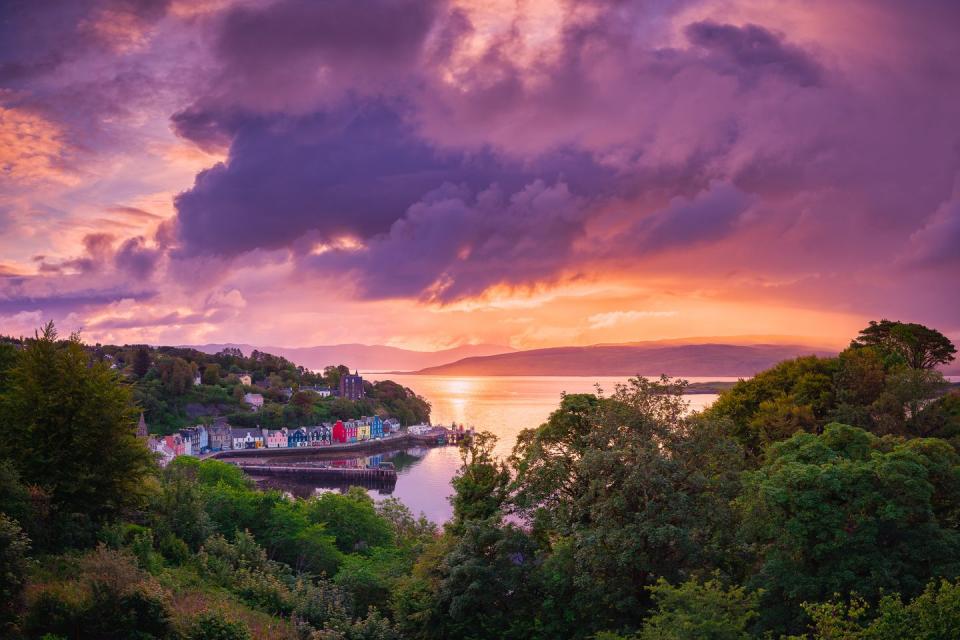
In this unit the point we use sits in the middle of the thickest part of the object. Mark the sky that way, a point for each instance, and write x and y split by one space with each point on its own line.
429 173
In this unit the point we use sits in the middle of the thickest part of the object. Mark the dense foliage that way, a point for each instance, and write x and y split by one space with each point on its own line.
818 500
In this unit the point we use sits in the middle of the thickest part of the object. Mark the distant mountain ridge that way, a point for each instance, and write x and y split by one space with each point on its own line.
648 359
363 357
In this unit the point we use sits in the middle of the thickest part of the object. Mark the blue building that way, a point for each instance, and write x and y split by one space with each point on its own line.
298 438
376 427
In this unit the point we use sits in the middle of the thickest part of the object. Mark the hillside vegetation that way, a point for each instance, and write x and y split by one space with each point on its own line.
819 500
178 387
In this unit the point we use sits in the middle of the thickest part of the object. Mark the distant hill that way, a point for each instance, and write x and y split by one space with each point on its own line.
649 359
363 356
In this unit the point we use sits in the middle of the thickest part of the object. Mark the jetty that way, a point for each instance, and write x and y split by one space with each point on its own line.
336 475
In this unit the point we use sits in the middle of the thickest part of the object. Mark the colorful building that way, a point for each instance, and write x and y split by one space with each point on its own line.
351 427
376 427
298 438
363 431
339 432
275 438
177 444
320 435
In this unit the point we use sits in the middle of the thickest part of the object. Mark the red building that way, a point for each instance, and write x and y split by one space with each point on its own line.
339 432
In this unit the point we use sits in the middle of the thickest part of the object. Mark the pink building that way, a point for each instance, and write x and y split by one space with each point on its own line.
276 438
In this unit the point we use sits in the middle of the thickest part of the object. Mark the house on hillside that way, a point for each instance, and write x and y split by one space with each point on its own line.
245 378
255 400
163 453
246 439
323 392
351 386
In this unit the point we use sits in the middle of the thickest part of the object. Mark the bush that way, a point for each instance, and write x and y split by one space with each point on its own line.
14 546
112 598
213 626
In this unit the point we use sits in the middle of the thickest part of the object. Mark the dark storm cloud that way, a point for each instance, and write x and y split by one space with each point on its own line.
350 172
455 244
751 49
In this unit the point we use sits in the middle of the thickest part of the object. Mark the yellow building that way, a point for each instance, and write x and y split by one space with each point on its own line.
363 431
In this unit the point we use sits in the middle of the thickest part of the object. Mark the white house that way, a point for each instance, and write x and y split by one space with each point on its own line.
160 449
255 400
245 379
246 438
419 429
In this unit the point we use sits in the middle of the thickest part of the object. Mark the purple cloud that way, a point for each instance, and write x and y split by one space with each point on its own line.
750 50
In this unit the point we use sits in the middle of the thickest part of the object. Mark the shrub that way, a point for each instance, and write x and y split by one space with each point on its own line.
213 626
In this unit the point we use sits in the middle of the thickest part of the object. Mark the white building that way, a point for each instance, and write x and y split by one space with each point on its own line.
246 438
255 400
419 429
245 379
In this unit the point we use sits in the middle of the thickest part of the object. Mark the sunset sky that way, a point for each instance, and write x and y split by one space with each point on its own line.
426 174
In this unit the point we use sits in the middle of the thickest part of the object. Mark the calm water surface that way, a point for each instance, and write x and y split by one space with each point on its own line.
502 405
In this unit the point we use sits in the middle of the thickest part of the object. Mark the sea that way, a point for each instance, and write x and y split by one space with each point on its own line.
503 405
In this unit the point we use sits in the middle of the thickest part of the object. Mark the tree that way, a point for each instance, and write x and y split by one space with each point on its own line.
625 490
141 361
700 611
483 589
68 425
935 613
848 512
211 374
919 347
480 485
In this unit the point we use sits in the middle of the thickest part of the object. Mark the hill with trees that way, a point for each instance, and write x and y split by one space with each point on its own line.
178 387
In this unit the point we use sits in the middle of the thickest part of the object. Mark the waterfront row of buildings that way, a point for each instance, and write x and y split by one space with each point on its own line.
221 436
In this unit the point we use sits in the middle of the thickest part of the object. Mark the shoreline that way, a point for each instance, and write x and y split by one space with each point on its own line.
366 446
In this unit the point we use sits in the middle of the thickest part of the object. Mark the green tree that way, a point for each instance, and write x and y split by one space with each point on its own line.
700 611
480 486
847 512
141 361
918 346
635 490
211 374
68 425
